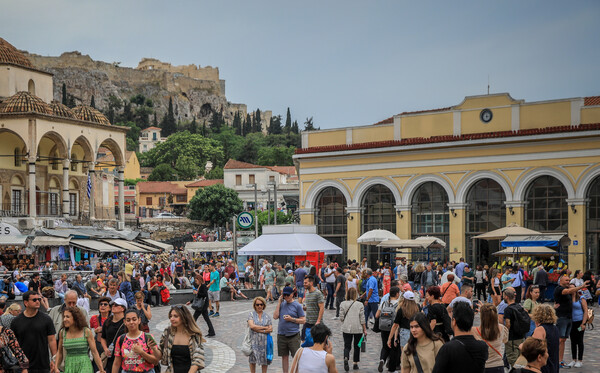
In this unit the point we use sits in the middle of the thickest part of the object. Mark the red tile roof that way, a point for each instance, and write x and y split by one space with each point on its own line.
233 164
591 101
285 170
389 120
449 138
166 187
151 129
204 183
426 111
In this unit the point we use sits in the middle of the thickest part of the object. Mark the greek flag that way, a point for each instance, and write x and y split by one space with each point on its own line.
89 186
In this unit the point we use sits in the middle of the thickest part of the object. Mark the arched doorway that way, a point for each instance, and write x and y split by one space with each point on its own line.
485 211
593 226
330 217
430 217
378 212
546 207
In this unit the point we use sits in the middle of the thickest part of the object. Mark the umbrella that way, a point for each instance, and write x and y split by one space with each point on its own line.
426 242
376 236
289 244
511 229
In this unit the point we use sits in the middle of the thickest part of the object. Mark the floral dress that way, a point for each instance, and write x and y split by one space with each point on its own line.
7 338
259 340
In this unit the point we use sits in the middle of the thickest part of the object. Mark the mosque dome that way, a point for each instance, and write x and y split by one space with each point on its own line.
11 55
90 114
24 102
61 110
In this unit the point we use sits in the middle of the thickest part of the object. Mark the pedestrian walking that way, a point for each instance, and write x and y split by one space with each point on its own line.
340 290
540 278
260 326
75 344
449 290
330 276
9 340
480 281
531 302
353 327
400 332
495 291
463 354
579 317
495 335
214 291
314 302
290 315
386 314
181 344
371 301
144 311
437 313
201 292
319 357
563 300
418 356
35 333
545 318
112 328
517 321
126 289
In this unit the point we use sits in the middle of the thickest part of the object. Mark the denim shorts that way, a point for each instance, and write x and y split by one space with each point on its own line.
564 327
404 336
300 290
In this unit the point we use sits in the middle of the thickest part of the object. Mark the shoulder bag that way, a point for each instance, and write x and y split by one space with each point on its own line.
417 362
246 343
296 359
9 361
506 369
198 303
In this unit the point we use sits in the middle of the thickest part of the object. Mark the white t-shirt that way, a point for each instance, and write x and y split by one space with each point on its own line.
352 284
577 282
330 279
312 361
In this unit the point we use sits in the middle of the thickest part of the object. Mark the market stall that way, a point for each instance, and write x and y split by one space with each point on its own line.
424 246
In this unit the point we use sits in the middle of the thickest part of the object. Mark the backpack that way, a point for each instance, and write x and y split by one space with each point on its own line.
522 322
387 316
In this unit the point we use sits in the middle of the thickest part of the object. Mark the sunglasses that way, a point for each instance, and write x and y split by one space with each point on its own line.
260 304
180 306
35 299
104 304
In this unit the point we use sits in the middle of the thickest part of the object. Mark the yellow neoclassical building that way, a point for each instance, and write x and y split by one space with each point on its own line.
459 171
48 151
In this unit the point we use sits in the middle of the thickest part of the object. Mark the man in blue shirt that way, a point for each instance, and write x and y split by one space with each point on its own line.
517 283
459 270
299 275
290 315
372 298
214 291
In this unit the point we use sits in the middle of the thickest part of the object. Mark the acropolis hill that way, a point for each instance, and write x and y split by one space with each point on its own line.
196 90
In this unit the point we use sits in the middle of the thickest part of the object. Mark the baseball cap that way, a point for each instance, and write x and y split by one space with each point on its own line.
120 301
290 271
287 290
409 295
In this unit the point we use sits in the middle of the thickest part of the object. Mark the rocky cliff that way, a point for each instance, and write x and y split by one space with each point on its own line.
192 96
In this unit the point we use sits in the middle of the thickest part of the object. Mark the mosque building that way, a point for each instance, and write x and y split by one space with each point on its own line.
49 152
457 172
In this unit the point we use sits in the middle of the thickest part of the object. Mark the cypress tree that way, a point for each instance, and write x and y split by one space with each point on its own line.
93 102
237 123
257 121
288 121
295 127
247 125
155 121
65 99
169 126
193 126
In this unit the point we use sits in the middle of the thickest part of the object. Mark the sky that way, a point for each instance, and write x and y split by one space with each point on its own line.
344 63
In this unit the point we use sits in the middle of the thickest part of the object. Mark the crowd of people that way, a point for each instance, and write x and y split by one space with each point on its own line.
425 315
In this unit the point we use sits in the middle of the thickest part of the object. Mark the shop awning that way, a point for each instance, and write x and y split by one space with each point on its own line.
290 244
50 241
547 240
162 245
98 246
126 245
145 247
18 240
531 250
203 247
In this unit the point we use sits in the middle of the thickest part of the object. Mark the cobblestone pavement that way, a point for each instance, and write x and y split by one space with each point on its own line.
223 352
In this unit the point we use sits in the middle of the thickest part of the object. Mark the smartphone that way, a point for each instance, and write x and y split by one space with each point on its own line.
579 329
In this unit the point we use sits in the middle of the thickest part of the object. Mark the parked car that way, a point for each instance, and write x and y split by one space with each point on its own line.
167 215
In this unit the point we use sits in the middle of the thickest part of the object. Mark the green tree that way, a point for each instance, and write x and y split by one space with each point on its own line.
295 128
247 127
216 121
132 182
237 123
65 99
199 148
276 156
215 173
93 102
309 125
231 143
257 122
288 122
169 125
186 168
275 125
215 204
162 172
194 126
263 218
155 121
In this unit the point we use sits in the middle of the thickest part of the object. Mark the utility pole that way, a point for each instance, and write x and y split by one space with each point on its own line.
274 184
255 206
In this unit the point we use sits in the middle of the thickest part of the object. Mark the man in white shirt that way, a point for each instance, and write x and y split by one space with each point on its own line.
445 276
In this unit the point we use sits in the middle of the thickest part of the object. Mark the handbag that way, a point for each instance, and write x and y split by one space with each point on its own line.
308 339
246 343
198 303
269 348
9 361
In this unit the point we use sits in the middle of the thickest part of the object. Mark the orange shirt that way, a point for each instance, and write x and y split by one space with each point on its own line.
449 293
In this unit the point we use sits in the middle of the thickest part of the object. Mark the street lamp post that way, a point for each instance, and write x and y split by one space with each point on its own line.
255 206
274 184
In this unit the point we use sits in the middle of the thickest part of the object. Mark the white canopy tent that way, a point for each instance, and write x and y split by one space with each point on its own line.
208 247
375 236
298 241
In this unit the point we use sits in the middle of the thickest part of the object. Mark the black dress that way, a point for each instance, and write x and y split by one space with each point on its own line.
203 293
181 359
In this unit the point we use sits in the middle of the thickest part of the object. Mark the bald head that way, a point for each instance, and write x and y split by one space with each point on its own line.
71 298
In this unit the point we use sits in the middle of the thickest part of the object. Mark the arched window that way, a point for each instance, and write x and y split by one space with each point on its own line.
547 209
593 227
485 211
378 212
18 157
430 217
31 87
330 217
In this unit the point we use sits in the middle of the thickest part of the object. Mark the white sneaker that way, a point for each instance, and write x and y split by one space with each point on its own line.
578 364
571 364
335 318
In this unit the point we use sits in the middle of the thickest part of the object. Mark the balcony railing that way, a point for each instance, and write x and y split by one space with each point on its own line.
14 210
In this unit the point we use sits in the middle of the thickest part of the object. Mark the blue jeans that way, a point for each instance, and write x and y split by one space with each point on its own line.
370 308
330 295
